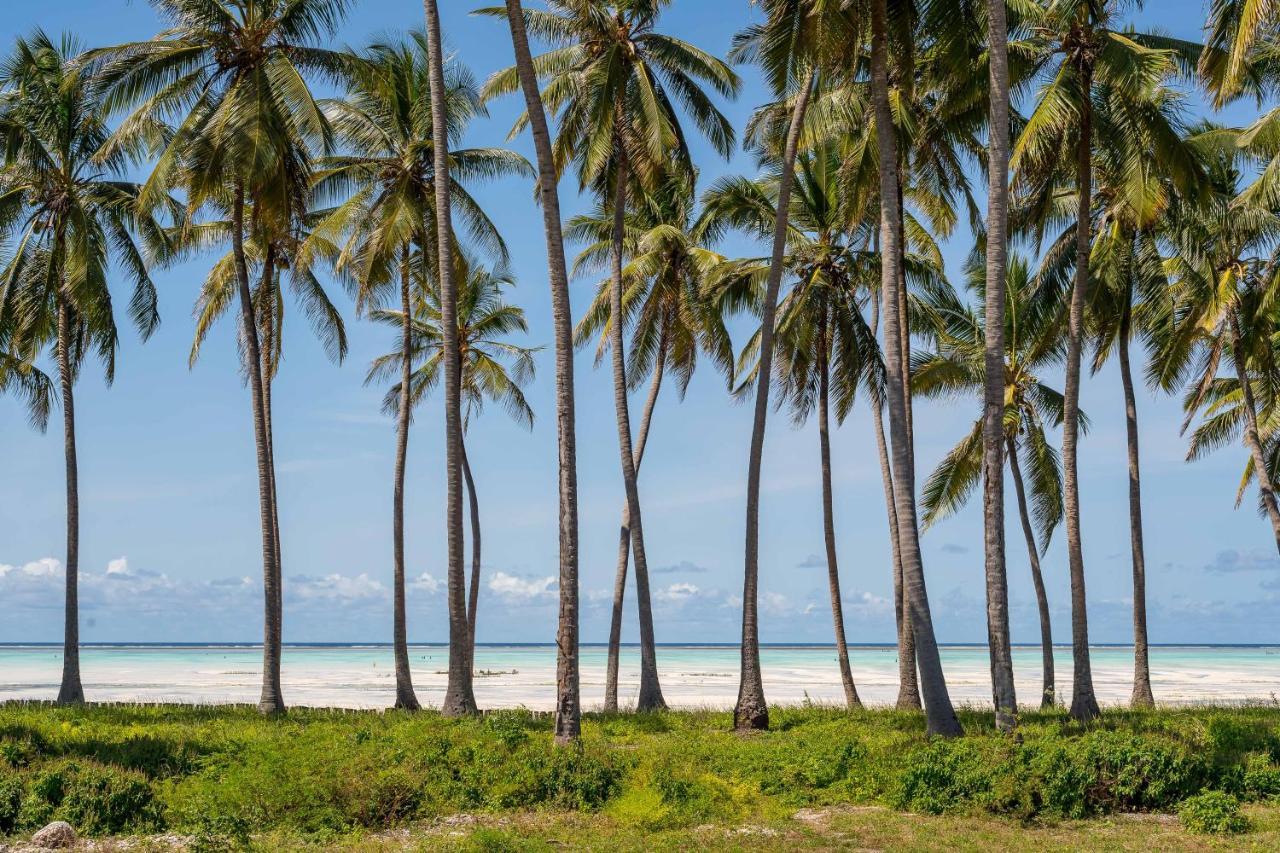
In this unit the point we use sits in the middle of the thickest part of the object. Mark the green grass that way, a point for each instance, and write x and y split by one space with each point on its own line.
225 776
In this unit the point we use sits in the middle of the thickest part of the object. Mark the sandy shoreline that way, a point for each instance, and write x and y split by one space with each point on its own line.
692 677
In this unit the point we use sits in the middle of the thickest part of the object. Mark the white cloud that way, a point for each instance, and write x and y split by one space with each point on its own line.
426 582
42 568
118 566
775 603
514 588
678 593
335 588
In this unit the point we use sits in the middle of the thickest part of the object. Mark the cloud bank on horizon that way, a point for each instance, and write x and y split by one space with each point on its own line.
121 603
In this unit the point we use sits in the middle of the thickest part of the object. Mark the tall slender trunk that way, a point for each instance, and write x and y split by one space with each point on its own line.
751 711
459 697
71 692
650 697
908 684
998 640
272 699
828 514
624 534
270 364
1252 435
1084 705
1048 693
473 595
406 699
1142 696
937 703
568 696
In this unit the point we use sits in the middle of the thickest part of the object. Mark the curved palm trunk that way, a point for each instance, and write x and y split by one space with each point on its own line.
998 640
908 685
70 692
624 536
1142 696
650 697
568 697
459 697
473 596
751 711
406 699
1084 704
272 698
1047 690
828 517
937 703
1252 434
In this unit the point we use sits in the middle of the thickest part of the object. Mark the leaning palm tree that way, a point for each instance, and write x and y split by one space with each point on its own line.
1033 343
672 323
821 338
493 370
614 80
221 99
71 216
568 720
1078 50
937 701
795 42
385 193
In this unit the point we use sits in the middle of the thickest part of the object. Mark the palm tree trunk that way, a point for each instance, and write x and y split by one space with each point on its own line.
71 692
998 640
568 697
1142 696
473 597
270 363
1048 692
908 685
650 697
1084 705
1252 435
751 711
459 697
828 516
272 699
406 699
624 535
937 703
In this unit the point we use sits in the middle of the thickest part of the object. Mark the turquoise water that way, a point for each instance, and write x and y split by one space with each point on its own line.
692 676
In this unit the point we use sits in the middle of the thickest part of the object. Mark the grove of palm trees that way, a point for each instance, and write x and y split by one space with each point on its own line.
1106 206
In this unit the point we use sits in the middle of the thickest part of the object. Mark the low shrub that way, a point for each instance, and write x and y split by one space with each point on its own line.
1213 813
95 799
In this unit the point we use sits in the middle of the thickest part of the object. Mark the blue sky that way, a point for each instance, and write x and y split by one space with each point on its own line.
170 540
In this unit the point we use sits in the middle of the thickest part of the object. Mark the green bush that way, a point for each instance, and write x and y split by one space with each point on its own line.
10 801
1213 813
95 799
945 776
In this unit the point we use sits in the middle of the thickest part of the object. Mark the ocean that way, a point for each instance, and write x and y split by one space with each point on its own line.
693 676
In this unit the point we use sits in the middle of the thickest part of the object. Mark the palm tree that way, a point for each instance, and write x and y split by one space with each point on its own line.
568 723
1139 160
957 367
937 702
820 333
70 215
1084 59
20 377
459 697
614 80
672 321
1222 273
797 39
230 77
385 188
484 319
993 442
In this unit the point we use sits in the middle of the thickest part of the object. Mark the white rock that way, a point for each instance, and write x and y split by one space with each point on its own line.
56 836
